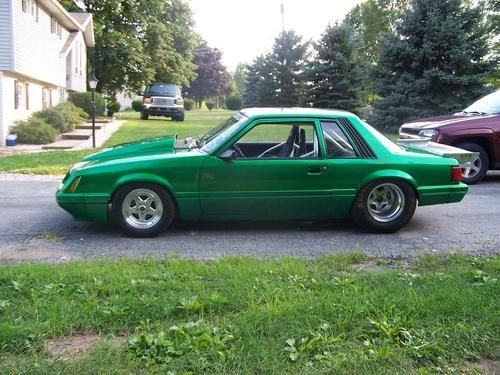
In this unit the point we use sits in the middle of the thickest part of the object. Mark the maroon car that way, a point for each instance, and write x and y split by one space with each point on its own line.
476 129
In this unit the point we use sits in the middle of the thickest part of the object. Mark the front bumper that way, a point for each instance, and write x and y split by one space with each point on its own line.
428 195
154 110
84 207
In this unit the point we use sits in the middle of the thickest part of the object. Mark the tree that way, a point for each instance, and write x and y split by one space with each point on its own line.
338 73
213 78
239 77
277 79
434 63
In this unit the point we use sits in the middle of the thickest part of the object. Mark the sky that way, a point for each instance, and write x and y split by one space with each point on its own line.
244 29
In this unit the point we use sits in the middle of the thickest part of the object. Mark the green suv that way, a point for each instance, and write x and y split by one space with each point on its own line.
162 99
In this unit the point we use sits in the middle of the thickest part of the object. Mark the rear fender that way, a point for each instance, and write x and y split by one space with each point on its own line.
392 174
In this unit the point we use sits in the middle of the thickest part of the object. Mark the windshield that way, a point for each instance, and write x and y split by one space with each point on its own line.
489 104
159 89
211 140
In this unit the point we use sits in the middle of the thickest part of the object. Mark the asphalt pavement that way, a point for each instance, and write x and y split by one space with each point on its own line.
34 228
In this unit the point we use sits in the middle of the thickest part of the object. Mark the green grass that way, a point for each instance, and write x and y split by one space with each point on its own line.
58 162
286 316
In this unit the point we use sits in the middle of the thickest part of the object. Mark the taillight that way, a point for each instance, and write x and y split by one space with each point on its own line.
456 174
147 100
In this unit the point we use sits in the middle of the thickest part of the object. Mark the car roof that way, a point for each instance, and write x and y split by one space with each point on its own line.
295 111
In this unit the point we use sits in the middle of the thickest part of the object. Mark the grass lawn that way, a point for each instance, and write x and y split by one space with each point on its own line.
58 162
335 314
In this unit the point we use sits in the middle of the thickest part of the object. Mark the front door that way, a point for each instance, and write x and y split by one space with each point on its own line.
277 173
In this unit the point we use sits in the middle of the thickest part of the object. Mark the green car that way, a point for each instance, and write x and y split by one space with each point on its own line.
261 163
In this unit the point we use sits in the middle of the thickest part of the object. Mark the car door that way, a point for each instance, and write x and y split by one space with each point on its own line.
276 174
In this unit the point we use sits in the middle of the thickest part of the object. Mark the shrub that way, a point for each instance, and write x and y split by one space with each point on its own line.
210 105
234 102
54 118
34 131
72 114
113 107
83 100
137 105
188 104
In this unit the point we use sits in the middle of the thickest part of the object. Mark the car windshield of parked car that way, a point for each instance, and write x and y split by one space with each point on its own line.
488 105
386 142
211 140
172 90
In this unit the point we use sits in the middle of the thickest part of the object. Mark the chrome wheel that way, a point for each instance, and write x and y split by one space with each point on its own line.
472 168
142 208
386 202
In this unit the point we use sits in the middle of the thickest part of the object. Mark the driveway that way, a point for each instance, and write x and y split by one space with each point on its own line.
32 227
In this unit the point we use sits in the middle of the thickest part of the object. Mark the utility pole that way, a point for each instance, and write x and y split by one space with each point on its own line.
282 7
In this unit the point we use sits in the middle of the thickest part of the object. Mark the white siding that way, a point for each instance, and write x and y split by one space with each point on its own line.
3 125
5 35
77 64
37 51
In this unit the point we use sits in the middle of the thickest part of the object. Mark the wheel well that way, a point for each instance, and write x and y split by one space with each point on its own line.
164 188
480 142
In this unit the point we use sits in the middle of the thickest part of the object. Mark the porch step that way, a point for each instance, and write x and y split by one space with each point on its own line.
63 144
89 126
77 134
100 121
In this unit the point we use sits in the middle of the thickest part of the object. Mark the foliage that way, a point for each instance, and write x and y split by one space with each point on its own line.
338 73
194 341
137 105
72 114
188 104
112 106
434 63
234 102
210 105
212 78
239 77
277 79
277 316
83 100
35 131
54 118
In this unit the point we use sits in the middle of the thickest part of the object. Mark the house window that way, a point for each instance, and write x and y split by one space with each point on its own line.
27 94
18 92
30 7
45 97
55 27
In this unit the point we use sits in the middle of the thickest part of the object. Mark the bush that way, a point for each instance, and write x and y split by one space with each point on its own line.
210 105
188 104
83 100
137 105
34 131
72 114
54 118
234 102
113 106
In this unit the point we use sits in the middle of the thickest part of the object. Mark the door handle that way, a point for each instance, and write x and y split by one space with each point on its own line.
315 170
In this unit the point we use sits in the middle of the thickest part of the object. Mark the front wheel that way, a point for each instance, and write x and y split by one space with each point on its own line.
474 171
384 206
180 117
142 209
144 115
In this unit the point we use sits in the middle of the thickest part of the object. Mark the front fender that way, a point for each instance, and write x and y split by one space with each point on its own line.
142 177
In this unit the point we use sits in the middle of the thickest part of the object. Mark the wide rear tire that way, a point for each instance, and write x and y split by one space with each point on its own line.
384 206
142 209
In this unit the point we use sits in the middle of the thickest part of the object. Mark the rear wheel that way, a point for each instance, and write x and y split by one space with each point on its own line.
384 206
142 209
474 171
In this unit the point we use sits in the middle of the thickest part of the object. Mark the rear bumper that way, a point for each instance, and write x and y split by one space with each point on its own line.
428 195
84 207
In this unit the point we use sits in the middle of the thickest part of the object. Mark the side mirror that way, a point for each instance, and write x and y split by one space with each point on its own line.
185 93
228 155
140 93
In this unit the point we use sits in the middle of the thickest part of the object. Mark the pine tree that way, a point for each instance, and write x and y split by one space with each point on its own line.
434 63
337 74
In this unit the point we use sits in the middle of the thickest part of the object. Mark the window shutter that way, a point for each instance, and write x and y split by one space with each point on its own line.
16 95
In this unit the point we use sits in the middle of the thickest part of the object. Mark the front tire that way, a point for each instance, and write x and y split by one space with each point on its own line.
180 117
142 209
384 206
474 171
144 115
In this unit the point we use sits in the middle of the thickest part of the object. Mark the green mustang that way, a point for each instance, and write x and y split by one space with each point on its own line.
286 163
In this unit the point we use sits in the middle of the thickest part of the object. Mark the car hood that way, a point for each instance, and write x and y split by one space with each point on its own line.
150 146
449 120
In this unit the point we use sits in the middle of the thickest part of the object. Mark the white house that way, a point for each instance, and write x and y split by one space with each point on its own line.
43 55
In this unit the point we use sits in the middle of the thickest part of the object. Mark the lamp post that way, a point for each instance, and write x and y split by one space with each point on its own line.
93 84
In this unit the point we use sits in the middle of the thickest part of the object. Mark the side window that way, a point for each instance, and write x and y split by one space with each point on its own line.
278 141
336 142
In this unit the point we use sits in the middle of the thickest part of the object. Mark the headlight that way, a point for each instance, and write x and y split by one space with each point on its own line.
78 165
431 134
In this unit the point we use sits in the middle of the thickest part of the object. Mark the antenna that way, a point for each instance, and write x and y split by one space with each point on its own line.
282 7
